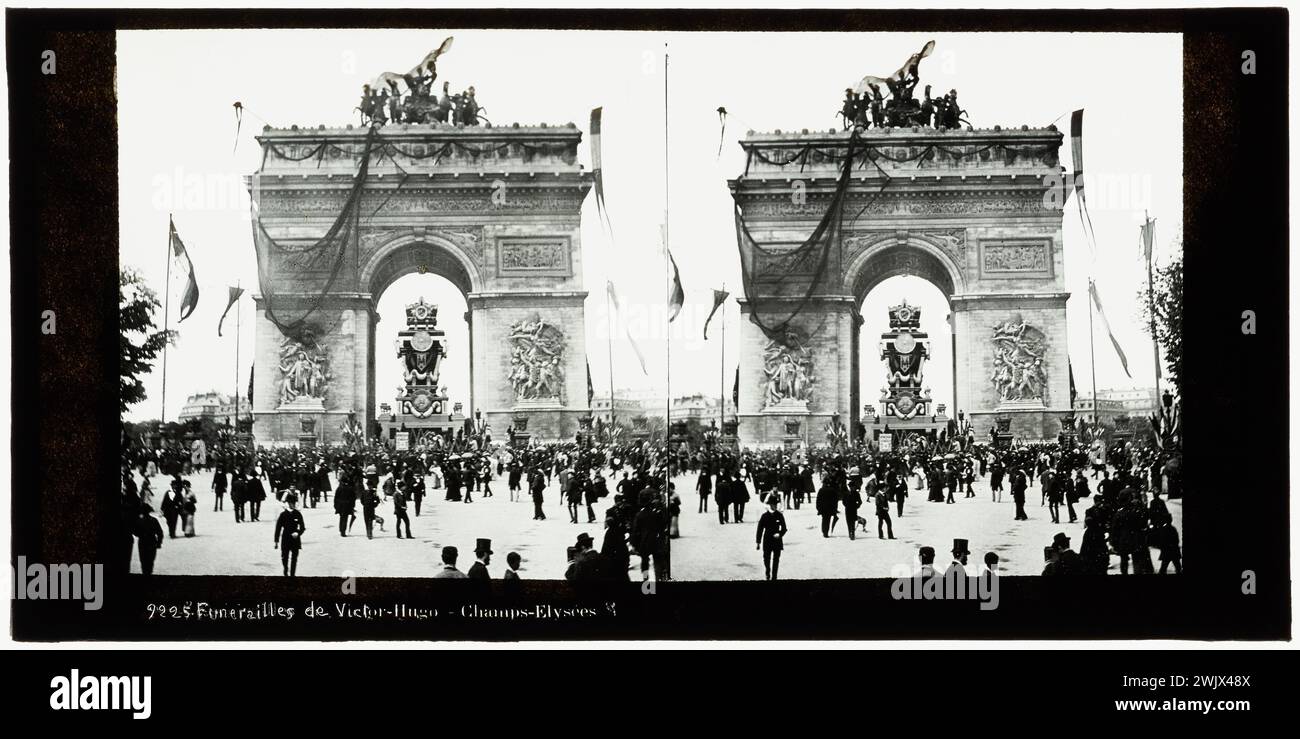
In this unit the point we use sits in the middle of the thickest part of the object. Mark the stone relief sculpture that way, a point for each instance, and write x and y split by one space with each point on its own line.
304 369
536 360
789 369
1019 372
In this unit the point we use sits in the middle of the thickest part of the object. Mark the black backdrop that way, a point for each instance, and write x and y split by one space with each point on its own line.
63 253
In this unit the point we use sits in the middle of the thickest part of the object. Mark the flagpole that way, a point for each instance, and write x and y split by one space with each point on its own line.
668 291
722 367
1092 357
609 346
1151 301
237 316
167 299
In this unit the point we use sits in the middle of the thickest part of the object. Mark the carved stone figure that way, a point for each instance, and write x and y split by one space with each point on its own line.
789 369
536 360
304 368
1019 373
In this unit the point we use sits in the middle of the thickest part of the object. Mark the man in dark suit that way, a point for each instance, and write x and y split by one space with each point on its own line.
1019 483
650 534
449 571
483 557
345 501
399 511
255 492
218 489
537 485
882 515
512 587
150 537
289 528
770 537
588 565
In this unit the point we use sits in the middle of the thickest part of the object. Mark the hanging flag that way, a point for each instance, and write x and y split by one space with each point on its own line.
722 136
1073 392
1076 155
597 172
191 297
239 121
251 370
613 296
591 390
677 298
1096 300
735 391
1076 148
235 292
1148 238
719 297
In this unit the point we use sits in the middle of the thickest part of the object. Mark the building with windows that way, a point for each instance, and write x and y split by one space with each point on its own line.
1110 403
631 403
217 406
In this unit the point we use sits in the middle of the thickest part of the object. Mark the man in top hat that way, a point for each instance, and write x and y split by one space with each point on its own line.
882 514
289 528
960 554
1065 561
449 571
483 557
399 510
588 564
1019 483
770 537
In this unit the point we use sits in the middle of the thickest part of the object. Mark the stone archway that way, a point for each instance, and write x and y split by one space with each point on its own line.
496 212
878 257
966 210
396 253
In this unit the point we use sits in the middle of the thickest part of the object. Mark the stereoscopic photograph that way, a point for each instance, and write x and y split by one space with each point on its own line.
647 324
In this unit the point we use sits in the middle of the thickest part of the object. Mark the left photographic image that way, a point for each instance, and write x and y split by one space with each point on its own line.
371 316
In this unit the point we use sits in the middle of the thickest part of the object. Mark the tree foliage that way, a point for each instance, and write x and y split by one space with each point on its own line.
140 340
1165 298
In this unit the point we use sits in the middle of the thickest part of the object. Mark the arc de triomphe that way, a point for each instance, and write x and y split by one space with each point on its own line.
977 213
495 211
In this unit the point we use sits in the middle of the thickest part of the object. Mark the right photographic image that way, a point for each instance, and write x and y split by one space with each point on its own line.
930 344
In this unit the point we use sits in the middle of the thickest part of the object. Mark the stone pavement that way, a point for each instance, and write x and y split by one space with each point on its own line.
706 550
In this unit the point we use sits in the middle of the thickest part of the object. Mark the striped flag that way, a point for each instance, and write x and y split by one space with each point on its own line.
1096 300
1076 157
191 297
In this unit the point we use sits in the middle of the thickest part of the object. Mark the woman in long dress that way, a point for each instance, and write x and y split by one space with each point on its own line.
189 508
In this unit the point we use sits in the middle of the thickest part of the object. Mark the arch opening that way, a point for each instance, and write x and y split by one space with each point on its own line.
390 313
398 259
882 263
933 302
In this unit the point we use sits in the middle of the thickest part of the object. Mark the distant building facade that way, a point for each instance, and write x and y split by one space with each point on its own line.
1110 403
631 403
217 406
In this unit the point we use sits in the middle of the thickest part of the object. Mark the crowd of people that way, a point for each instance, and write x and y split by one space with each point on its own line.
630 489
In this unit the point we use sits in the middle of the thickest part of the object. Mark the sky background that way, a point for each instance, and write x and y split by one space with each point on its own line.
178 153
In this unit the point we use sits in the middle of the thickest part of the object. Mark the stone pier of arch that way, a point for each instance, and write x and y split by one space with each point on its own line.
977 213
496 211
